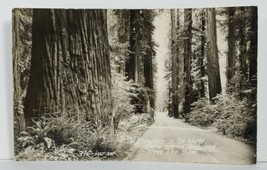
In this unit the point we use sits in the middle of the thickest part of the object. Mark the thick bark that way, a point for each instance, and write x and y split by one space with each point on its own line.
147 48
132 64
231 55
174 67
70 66
202 56
212 55
148 66
19 120
242 46
170 113
187 59
252 51
148 75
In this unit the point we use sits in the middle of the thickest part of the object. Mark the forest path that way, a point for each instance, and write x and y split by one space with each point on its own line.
170 139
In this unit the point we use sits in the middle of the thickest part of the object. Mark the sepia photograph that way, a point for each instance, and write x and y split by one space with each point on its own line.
157 85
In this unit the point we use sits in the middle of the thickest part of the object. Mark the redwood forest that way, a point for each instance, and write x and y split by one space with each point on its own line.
174 85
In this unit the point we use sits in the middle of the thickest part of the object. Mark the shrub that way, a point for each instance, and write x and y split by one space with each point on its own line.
230 115
141 99
203 113
62 153
48 132
122 92
236 117
61 138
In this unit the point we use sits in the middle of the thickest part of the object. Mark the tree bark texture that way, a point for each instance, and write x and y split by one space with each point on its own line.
231 55
187 59
252 51
148 66
242 46
202 55
132 64
70 66
148 74
174 67
19 120
212 55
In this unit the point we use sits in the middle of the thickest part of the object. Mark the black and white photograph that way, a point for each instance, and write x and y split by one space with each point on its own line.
150 85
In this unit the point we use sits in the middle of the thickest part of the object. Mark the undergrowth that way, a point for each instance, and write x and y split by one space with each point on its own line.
229 115
64 138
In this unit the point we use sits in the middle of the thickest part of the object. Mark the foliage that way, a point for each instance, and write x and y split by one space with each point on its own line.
230 115
122 92
203 113
118 51
65 138
47 132
237 117
141 99
62 153
119 37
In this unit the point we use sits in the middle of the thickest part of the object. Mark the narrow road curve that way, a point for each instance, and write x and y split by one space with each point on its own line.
173 140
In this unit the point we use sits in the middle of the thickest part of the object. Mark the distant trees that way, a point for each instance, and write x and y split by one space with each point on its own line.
135 28
200 54
78 73
187 60
70 66
199 87
234 111
242 53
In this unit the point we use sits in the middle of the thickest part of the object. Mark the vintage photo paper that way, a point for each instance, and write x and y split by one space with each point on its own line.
164 85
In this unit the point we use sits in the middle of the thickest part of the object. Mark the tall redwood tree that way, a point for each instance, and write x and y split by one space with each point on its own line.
70 66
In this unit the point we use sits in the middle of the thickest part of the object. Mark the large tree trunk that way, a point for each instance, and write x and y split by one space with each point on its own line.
202 55
19 120
243 52
187 59
252 51
147 29
231 55
174 67
132 64
148 67
212 55
70 66
148 73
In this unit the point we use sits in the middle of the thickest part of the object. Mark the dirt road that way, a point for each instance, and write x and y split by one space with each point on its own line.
173 140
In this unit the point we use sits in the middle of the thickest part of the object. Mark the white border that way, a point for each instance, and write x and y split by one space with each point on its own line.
6 119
